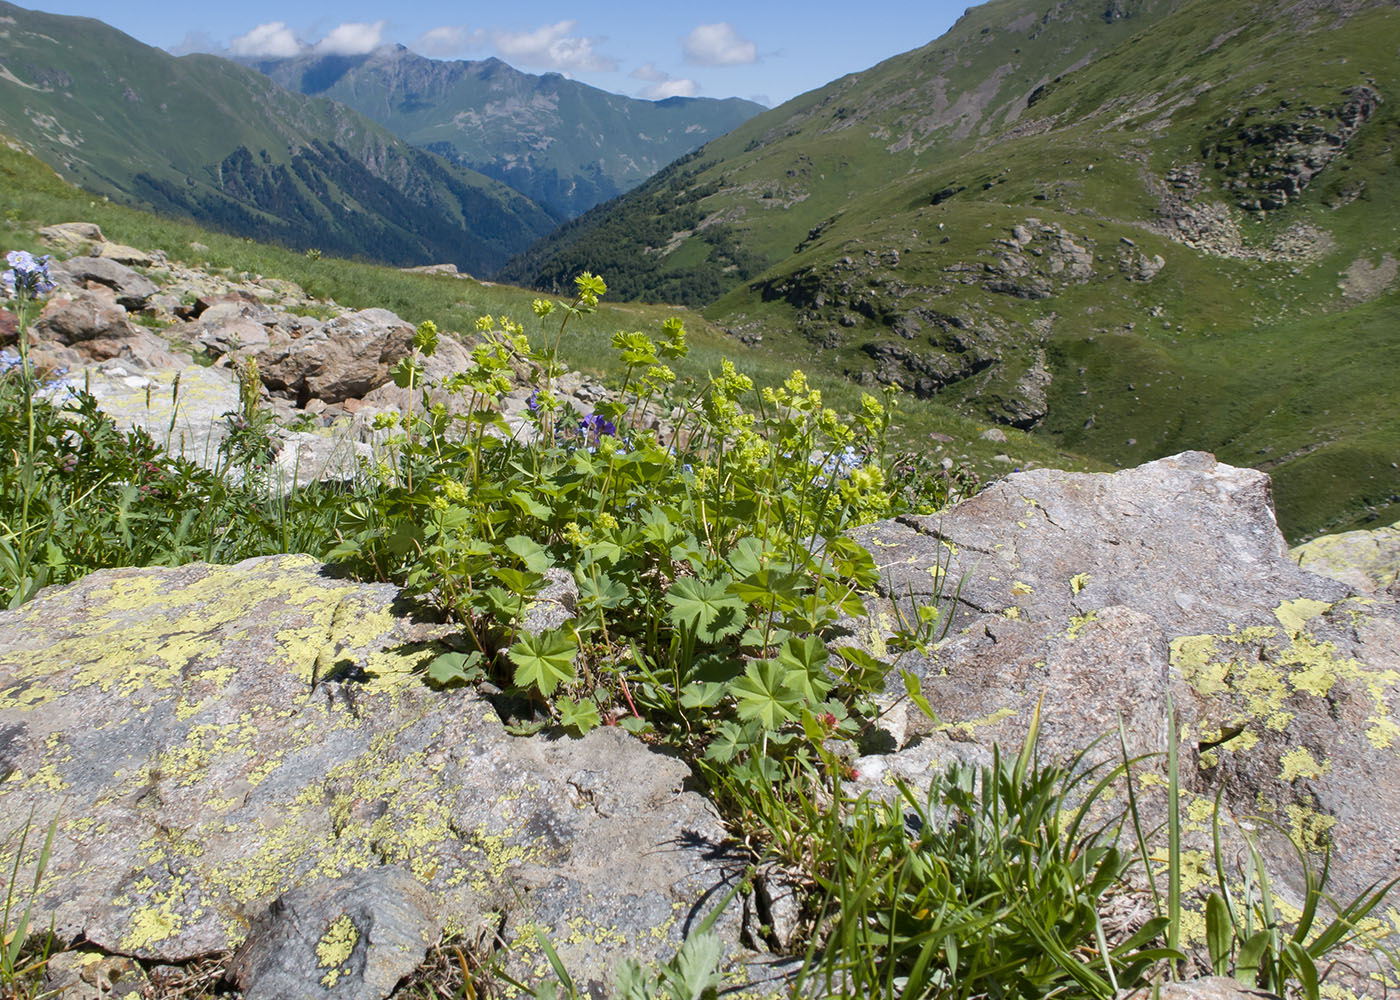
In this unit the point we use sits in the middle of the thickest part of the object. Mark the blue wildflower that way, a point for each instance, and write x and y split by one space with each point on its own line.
27 276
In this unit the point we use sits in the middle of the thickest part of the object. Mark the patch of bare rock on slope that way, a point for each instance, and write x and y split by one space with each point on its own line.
324 368
228 749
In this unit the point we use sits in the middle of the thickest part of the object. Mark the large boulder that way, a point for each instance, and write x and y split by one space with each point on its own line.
1099 597
343 359
73 237
214 739
1366 561
93 326
132 288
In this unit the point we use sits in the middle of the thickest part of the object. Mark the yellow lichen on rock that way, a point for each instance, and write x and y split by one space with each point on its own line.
1294 615
335 947
1299 763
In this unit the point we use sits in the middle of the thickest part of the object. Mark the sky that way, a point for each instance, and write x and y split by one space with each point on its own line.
763 51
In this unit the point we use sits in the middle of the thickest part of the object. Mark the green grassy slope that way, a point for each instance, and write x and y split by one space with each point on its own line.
1136 255
561 143
220 143
31 195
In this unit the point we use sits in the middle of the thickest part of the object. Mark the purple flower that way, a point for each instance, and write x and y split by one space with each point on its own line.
27 275
595 426
533 403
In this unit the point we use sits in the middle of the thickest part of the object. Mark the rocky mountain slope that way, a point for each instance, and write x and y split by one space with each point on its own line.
208 139
1135 227
562 143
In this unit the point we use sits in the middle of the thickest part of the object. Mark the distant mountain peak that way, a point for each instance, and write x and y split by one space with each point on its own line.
520 128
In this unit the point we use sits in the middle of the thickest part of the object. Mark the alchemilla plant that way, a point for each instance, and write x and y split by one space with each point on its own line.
703 524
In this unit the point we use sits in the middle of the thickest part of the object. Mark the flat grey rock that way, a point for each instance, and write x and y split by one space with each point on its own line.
1098 597
213 737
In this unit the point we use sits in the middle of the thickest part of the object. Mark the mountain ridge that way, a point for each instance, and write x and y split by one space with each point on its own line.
237 151
563 143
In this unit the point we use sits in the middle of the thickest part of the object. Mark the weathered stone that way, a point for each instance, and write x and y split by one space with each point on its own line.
232 335
82 316
212 737
1100 596
1210 988
1366 561
123 254
132 288
186 419
73 237
89 975
345 358
351 938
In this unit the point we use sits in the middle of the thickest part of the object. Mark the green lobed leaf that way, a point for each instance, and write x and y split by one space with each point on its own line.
708 609
762 694
580 716
456 668
545 661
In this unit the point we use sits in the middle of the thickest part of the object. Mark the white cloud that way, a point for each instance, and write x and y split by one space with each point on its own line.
718 45
553 47
273 40
449 40
670 88
650 73
353 38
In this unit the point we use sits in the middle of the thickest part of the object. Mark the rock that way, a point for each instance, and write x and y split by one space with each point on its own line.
994 434
311 456
353 938
434 269
212 738
1210 988
232 335
90 975
1102 595
95 328
186 417
1366 561
83 316
73 237
344 359
132 289
123 254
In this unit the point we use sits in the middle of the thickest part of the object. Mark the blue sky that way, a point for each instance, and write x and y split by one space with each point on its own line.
764 51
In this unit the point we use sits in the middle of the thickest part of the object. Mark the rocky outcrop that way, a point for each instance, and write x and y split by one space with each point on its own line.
216 739
1101 597
1368 562
92 326
132 288
344 358
250 757
1270 157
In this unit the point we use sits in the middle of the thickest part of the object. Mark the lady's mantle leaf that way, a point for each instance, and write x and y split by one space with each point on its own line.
708 608
545 661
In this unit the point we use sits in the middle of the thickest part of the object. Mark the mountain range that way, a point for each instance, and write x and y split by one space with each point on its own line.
1135 226
223 144
564 144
